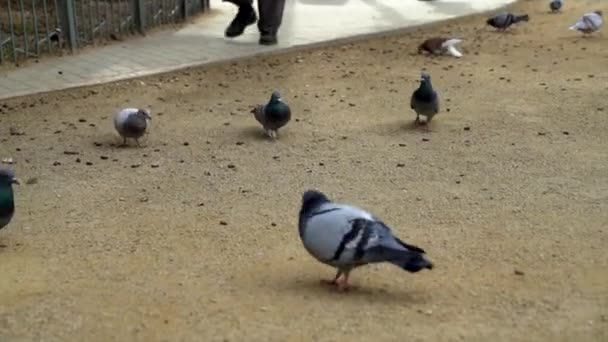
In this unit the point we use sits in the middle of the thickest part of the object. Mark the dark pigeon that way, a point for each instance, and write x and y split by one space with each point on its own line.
503 21
273 115
7 200
425 100
556 5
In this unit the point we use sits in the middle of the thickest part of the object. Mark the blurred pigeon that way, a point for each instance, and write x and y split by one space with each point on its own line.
556 5
7 201
589 23
273 115
132 123
425 100
439 45
503 20
346 237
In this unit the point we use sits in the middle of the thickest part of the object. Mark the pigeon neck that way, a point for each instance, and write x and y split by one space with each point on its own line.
426 86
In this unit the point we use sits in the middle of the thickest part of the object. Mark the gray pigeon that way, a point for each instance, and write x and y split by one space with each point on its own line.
346 237
556 5
132 123
589 23
7 201
273 115
425 100
503 21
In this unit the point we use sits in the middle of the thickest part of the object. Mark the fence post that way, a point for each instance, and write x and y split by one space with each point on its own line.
185 9
67 21
139 9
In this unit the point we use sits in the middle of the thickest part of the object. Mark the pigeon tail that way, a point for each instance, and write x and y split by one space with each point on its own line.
450 46
523 17
412 262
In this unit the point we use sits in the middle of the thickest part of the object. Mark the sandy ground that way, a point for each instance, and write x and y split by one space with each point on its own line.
193 237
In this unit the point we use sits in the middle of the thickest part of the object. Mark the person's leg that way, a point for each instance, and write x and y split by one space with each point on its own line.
271 16
245 17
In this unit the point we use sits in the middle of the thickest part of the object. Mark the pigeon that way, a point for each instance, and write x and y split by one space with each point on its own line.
503 20
556 5
439 45
132 123
425 100
7 201
589 23
346 237
273 115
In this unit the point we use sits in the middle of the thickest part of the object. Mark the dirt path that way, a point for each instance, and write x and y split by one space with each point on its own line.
193 237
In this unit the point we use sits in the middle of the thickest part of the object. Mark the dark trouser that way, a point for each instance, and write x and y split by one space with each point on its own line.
271 14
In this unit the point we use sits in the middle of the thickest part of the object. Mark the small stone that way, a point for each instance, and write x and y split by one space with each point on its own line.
400 165
239 143
402 145
144 199
88 163
231 166
186 143
71 153
103 157
78 160
155 165
273 224
98 144
134 166
467 128
566 133
32 181
56 163
321 164
541 133
82 120
223 223
518 272
425 139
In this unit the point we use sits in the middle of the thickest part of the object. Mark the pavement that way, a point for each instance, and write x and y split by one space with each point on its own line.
201 41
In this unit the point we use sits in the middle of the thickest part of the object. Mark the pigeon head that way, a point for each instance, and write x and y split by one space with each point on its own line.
276 96
425 79
7 177
144 113
312 199
600 13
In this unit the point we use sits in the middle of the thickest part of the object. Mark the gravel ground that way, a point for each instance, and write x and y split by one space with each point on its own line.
193 237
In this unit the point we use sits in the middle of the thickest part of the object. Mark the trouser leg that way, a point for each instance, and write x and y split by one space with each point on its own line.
271 16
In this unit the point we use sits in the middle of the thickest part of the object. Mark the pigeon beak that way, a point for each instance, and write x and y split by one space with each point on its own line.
16 181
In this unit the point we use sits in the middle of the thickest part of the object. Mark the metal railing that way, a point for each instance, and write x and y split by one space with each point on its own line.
32 28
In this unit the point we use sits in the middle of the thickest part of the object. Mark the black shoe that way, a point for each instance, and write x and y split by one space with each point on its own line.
245 17
268 39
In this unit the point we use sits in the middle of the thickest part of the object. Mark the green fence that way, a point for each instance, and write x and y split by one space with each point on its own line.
32 28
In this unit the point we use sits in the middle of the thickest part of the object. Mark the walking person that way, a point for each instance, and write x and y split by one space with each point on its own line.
271 16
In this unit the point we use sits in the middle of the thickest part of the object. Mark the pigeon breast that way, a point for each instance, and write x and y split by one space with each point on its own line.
277 115
328 227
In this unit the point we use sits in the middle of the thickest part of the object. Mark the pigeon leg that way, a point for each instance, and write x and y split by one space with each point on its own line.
137 141
333 281
124 141
343 285
273 134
